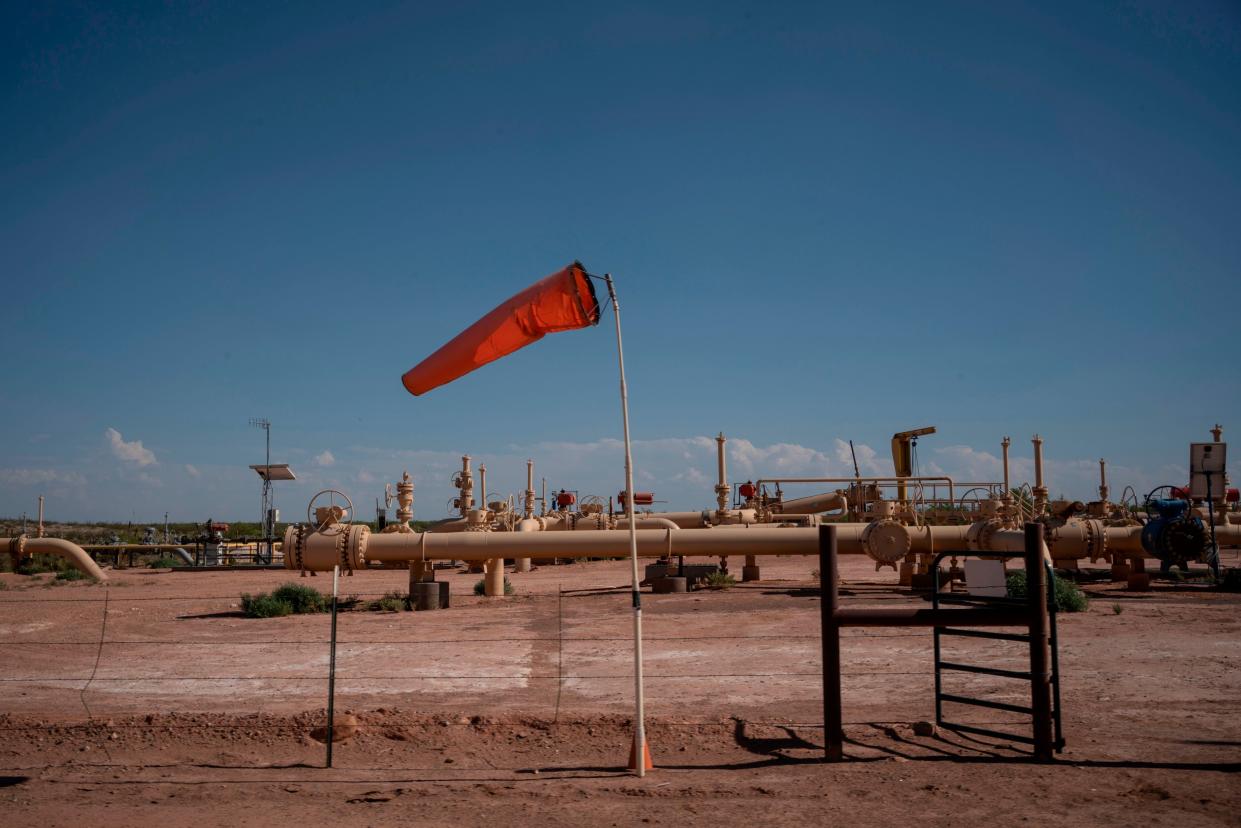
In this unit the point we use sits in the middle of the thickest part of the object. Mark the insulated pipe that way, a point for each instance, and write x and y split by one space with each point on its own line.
1040 492
528 522
1004 444
721 488
685 520
482 484
322 551
529 507
24 547
814 504
647 523
1103 480
879 481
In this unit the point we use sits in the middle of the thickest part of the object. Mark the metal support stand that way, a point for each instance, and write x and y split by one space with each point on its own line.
833 729
331 671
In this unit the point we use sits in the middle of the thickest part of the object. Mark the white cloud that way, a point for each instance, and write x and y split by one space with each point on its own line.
34 477
131 452
366 477
325 459
192 471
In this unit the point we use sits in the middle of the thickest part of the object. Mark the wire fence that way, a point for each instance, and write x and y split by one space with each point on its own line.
748 671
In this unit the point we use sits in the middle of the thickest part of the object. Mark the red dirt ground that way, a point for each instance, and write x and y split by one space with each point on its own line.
507 711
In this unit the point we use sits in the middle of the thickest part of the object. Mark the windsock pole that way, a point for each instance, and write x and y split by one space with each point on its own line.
640 751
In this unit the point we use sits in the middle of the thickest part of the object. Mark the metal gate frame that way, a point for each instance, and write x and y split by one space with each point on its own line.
938 598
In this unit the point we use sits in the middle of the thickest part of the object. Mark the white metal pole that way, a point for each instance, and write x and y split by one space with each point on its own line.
639 732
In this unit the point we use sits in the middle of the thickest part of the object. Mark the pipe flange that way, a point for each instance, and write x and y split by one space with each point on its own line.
886 541
359 536
341 541
17 546
293 546
980 534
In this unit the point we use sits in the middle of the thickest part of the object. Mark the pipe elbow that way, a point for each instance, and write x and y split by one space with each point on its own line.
69 551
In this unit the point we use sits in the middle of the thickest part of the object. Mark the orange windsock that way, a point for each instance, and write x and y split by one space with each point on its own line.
563 301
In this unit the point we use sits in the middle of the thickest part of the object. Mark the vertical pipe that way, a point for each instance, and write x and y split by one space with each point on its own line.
721 487
466 496
40 516
1103 492
639 733
529 506
1004 444
331 671
482 483
1040 642
833 732
493 584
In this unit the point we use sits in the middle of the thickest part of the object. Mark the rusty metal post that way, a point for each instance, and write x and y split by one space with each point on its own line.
833 732
1040 643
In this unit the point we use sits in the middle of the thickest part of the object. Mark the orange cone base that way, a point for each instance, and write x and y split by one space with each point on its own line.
646 757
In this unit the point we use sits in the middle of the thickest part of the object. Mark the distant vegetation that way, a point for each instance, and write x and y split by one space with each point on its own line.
130 532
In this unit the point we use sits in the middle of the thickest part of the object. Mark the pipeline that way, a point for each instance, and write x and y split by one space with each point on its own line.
321 551
23 547
814 504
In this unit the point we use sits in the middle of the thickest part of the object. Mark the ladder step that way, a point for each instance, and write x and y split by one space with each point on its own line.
994 705
983 634
982 600
987 671
982 731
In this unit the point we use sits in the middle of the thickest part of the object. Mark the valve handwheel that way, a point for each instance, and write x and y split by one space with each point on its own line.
338 516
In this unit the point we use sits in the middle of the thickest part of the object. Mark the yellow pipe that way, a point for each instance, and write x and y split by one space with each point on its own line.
322 551
814 504
68 550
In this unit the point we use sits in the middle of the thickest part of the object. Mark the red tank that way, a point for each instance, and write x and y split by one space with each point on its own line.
639 498
746 490
566 499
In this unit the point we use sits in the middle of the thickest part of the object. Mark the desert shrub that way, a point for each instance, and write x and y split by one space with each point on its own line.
165 563
264 606
391 602
72 575
720 580
302 599
480 588
1069 596
287 599
36 564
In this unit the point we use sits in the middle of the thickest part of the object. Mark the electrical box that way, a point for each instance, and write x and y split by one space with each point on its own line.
1207 465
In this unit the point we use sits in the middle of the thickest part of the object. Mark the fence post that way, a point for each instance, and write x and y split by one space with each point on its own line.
331 671
1040 643
833 730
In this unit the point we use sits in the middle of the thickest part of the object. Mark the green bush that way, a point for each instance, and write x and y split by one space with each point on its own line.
1069 596
288 599
480 588
264 606
302 599
720 580
72 575
392 602
165 563
36 564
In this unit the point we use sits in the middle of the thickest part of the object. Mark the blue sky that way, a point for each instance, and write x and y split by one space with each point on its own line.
826 221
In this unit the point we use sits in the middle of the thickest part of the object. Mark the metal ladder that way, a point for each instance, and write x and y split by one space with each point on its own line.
1021 675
